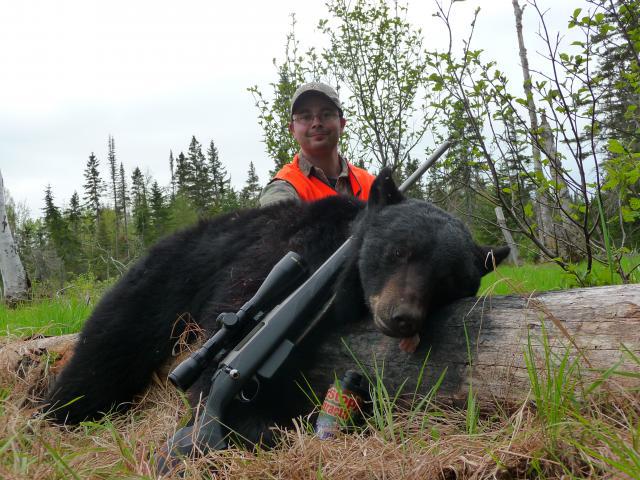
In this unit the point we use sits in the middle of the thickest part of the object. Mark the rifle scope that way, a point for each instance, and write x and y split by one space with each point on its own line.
283 279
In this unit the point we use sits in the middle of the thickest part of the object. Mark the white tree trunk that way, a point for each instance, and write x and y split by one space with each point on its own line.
514 256
14 277
569 238
542 210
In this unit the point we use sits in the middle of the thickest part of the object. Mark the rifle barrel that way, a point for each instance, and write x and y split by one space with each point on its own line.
425 166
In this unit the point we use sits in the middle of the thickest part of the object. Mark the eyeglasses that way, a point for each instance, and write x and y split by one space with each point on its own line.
307 118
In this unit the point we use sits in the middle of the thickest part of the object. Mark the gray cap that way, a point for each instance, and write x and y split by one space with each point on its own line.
316 87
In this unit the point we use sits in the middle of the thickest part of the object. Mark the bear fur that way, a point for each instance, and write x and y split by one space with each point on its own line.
411 258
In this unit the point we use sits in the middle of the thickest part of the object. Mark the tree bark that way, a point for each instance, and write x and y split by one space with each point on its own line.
514 256
14 277
542 210
569 238
597 321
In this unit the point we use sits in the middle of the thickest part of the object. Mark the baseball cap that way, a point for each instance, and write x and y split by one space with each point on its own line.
316 87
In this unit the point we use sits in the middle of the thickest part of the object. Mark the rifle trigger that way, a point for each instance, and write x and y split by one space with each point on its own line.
248 397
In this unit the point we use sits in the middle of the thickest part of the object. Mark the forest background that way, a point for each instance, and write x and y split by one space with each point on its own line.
558 153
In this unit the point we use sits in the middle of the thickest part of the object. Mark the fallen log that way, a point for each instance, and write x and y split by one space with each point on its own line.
477 342
481 342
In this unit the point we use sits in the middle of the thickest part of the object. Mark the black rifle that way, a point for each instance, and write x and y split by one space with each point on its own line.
278 316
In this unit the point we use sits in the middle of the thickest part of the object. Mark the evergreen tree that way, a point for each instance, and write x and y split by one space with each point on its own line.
59 239
124 201
102 257
172 171
73 220
113 172
229 202
74 213
616 44
251 191
219 177
182 175
158 212
619 69
200 186
93 188
52 215
140 213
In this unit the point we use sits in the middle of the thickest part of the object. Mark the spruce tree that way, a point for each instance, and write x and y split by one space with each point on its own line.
158 212
57 232
620 69
172 171
93 188
123 195
200 185
219 177
140 206
113 172
74 213
251 191
73 219
182 175
52 215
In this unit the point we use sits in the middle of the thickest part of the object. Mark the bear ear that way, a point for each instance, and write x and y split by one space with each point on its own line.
490 257
384 191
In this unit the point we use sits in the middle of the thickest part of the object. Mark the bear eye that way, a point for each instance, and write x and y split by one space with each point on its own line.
396 254
400 252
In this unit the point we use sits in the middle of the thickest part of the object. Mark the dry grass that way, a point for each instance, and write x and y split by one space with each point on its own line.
516 444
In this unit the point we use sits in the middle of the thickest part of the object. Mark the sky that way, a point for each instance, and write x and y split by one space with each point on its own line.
154 73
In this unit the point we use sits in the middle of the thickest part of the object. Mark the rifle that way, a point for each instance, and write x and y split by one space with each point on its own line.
278 311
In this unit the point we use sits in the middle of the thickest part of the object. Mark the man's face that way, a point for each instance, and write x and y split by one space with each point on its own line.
316 125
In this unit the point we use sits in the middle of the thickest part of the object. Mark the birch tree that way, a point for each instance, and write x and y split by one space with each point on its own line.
542 210
14 276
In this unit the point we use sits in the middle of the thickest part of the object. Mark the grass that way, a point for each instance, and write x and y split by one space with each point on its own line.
547 276
63 312
570 427
45 317
555 435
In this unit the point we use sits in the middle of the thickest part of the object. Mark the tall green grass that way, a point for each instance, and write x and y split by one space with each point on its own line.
58 313
45 317
509 279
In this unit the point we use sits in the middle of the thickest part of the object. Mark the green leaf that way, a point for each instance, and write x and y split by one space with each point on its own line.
528 210
629 215
614 146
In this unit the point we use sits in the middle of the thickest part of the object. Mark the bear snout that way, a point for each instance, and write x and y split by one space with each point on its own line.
397 319
405 323
400 307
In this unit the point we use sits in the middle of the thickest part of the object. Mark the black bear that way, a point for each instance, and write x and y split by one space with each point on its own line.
411 258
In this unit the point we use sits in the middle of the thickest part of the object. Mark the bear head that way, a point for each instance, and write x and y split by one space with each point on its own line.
414 257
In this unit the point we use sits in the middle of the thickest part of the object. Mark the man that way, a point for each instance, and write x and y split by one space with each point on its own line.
318 170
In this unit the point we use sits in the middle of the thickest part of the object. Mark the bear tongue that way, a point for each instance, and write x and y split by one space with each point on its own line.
409 344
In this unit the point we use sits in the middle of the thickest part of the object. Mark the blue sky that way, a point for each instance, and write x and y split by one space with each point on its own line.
154 73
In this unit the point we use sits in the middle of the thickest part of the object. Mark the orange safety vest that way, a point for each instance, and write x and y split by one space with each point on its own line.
312 188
